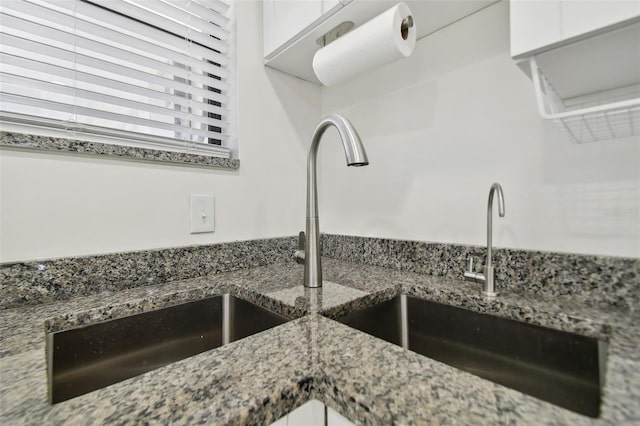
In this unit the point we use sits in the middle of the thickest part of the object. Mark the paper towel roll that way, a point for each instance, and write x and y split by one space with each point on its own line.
378 42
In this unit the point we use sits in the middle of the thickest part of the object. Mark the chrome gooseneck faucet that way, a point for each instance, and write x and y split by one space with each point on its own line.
489 275
356 156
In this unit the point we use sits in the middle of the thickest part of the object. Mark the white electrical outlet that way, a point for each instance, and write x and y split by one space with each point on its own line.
202 213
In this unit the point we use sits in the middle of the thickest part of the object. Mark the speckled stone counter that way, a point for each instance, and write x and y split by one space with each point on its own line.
46 281
610 280
31 142
258 379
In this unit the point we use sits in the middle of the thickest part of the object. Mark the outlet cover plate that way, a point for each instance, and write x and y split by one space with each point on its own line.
202 213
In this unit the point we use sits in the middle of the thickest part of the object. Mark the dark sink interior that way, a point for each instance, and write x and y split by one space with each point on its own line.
562 368
89 358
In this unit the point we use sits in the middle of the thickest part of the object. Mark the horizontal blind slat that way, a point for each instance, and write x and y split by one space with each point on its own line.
162 22
105 115
141 76
163 44
117 137
220 6
204 12
54 71
8 40
45 87
180 14
144 67
153 36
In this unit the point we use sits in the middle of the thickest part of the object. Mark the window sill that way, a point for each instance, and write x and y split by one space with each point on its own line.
24 141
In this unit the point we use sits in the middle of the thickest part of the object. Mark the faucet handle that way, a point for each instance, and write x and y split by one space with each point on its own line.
471 275
301 240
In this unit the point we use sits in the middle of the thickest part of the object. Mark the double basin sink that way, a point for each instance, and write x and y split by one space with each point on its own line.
562 368
84 359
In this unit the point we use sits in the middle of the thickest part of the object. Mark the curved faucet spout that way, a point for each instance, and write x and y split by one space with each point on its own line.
489 273
356 156
495 188
353 151
488 276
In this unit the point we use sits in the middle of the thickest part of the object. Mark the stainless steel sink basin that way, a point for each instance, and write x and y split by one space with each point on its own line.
89 358
562 368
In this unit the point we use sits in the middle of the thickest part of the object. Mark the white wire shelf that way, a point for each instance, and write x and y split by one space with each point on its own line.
602 116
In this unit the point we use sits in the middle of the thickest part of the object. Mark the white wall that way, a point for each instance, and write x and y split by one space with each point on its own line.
60 205
441 126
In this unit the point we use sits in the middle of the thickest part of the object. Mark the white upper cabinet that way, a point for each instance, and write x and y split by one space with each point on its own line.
583 57
329 4
544 24
284 19
292 28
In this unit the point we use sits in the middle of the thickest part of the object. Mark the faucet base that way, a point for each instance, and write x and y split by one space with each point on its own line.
490 281
488 278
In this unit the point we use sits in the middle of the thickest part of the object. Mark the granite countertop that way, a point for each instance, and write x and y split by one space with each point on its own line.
258 379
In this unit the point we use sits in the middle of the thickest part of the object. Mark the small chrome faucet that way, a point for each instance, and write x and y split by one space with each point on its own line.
489 275
356 156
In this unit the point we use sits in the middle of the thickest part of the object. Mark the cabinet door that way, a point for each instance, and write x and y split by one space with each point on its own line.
536 24
282 19
579 16
327 5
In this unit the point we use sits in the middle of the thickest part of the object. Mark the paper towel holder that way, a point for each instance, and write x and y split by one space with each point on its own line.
335 33
346 26
404 27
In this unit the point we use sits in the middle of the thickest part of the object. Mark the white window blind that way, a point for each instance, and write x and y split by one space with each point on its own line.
145 70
